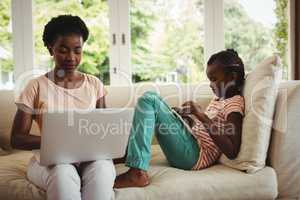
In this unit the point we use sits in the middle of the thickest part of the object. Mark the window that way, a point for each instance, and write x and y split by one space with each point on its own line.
144 40
251 28
95 14
6 58
167 40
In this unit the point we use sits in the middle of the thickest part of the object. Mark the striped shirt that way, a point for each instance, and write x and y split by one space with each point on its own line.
218 111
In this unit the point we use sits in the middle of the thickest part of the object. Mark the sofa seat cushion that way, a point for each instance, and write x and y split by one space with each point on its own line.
217 182
13 182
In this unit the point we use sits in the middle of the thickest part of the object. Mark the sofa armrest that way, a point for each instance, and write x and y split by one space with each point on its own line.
284 151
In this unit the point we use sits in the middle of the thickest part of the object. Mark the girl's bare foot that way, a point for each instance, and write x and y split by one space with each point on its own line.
132 178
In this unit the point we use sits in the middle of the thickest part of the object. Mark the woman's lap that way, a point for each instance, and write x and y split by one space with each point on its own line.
41 175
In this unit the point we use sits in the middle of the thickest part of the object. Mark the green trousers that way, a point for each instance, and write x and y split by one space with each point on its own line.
153 115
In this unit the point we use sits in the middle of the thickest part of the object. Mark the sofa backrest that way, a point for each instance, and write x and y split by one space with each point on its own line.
118 96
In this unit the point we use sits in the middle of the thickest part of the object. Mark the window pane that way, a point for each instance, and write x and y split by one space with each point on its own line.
95 14
167 40
255 30
6 58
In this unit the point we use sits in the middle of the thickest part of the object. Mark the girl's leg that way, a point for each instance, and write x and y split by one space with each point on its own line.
60 182
98 179
178 145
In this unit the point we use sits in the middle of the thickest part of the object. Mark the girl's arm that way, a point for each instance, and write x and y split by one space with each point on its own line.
228 141
20 137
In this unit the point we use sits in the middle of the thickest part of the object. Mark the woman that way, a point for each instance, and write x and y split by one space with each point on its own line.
60 89
212 132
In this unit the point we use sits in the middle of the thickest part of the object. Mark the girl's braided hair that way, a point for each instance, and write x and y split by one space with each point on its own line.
231 63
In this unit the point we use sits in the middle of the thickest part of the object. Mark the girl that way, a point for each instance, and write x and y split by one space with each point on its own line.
212 132
63 88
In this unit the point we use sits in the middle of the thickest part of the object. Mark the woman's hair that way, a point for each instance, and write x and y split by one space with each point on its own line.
63 25
230 61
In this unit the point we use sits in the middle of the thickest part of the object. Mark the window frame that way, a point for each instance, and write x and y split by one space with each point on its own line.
119 50
213 27
22 37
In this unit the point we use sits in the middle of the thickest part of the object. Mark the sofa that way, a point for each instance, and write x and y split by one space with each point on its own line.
279 179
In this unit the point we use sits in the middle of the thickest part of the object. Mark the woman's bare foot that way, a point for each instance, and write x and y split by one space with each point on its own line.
132 178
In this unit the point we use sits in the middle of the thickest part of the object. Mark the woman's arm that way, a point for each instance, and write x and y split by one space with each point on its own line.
20 137
100 103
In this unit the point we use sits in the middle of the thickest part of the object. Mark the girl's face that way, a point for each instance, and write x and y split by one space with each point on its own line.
219 82
67 52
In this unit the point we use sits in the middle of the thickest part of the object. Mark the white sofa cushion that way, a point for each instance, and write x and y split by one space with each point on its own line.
260 93
215 183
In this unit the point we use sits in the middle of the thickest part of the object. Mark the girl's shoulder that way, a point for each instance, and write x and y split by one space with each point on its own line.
235 98
235 101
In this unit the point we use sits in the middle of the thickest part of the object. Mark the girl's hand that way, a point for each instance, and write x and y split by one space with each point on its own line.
176 109
191 107
184 116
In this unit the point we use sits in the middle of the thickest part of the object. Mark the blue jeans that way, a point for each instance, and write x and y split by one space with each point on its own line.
151 115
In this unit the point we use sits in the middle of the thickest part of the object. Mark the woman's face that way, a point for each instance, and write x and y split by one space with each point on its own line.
219 83
67 52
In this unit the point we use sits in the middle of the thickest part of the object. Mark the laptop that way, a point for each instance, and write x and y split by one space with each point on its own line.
84 135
